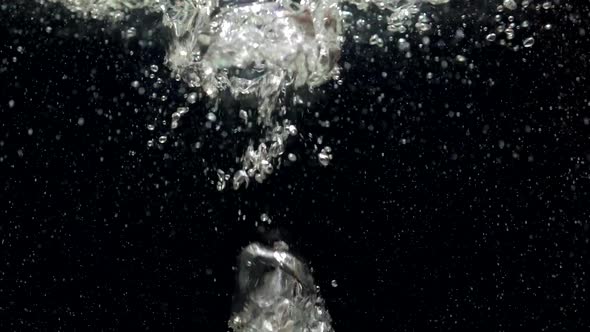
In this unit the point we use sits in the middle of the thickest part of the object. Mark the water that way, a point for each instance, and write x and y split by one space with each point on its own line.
266 50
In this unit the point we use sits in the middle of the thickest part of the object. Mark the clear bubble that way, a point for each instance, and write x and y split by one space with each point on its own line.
292 130
243 115
510 4
192 98
211 117
131 32
509 33
324 156
376 40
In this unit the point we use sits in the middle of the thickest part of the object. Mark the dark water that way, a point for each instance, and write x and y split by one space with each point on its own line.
479 221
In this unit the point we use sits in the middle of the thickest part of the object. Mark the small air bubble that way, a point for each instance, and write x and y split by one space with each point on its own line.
292 130
132 32
324 156
192 98
264 218
243 115
529 42
509 33
162 139
211 117
154 68
376 40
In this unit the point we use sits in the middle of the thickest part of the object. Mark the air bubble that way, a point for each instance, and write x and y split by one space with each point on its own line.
376 40
192 98
131 32
510 4
509 34
265 218
325 156
211 117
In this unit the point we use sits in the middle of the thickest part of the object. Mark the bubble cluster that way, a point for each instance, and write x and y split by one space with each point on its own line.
113 9
261 50
512 27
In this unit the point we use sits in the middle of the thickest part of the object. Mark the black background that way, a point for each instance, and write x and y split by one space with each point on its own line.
427 219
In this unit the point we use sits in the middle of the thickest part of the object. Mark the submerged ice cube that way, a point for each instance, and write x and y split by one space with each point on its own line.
276 292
